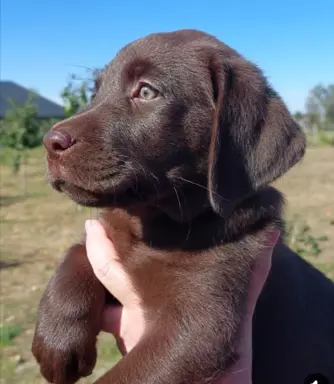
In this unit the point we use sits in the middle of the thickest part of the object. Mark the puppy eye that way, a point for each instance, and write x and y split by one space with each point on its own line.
146 92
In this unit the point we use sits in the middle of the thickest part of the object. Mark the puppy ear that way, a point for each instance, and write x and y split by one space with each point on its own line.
254 138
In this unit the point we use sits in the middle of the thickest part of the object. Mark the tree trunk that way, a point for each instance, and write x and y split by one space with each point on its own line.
24 174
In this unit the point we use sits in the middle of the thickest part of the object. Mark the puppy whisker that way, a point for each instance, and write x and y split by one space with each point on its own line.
201 186
179 202
188 214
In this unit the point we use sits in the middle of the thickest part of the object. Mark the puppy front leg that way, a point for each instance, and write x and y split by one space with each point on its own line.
69 320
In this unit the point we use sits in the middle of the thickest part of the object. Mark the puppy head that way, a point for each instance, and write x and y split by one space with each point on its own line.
176 117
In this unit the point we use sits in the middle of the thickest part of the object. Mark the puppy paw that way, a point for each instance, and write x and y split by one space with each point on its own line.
66 351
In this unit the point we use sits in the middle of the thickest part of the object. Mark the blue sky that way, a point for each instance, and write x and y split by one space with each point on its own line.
43 41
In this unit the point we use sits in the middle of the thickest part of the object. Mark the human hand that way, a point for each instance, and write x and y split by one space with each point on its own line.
127 322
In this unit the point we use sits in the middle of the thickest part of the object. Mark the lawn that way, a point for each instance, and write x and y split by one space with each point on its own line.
37 228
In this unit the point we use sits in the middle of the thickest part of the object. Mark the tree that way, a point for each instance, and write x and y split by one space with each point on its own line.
77 93
75 97
20 130
320 106
329 105
298 116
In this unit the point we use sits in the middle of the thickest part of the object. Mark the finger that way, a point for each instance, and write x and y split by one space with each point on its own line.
96 232
111 323
261 270
105 263
111 319
259 276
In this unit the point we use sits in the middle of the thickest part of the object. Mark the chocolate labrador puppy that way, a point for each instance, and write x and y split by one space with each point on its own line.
178 147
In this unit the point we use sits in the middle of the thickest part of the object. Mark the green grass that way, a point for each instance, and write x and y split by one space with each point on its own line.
321 139
37 228
8 334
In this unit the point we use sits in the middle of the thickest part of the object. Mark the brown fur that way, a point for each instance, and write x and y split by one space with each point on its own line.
183 182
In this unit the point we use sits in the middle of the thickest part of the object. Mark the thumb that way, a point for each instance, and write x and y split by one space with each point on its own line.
261 270
105 262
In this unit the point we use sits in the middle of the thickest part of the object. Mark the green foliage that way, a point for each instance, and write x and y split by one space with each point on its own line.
298 116
326 138
8 333
20 131
321 138
45 125
20 128
320 107
75 97
316 101
77 93
302 241
36 154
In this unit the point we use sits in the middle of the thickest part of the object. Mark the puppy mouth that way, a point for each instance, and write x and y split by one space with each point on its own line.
64 186
123 195
99 192
117 189
58 185
91 198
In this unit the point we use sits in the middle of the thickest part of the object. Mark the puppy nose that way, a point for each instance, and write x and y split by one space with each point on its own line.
56 141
